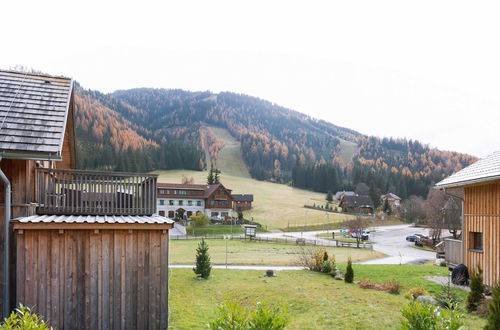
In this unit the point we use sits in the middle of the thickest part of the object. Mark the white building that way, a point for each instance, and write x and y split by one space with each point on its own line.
183 200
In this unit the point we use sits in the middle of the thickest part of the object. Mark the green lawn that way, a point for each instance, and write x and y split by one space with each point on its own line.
338 237
316 301
243 252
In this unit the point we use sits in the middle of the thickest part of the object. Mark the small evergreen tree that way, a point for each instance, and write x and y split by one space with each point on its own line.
387 207
476 289
216 176
329 196
325 256
349 272
494 309
210 178
203 266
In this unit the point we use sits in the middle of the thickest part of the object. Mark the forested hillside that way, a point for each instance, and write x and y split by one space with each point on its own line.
143 129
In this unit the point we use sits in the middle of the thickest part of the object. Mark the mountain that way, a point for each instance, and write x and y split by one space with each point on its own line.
144 129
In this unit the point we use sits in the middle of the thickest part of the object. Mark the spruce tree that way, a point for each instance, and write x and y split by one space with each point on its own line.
329 196
216 176
203 266
349 272
476 290
210 178
494 309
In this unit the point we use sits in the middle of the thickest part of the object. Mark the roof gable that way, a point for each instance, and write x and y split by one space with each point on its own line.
33 114
486 169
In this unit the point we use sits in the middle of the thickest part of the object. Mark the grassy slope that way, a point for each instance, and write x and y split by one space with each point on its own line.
258 253
316 301
275 205
347 150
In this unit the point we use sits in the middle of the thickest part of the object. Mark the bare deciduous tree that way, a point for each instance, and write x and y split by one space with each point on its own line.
434 204
413 209
357 225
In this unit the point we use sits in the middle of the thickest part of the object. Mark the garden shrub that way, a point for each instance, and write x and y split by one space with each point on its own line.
200 220
326 267
422 316
447 298
416 292
232 315
476 290
23 318
494 309
349 272
392 287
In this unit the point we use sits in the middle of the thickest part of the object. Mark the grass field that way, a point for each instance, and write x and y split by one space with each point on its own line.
315 301
275 205
243 252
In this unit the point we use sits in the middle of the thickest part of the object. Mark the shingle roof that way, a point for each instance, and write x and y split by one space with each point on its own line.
357 201
207 189
486 169
33 114
242 197
391 195
117 219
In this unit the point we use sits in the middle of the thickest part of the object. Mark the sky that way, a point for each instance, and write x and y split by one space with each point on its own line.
425 70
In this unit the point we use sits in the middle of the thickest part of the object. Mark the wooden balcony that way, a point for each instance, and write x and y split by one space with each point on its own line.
75 192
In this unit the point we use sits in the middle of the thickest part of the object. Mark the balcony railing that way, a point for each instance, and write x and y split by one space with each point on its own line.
75 192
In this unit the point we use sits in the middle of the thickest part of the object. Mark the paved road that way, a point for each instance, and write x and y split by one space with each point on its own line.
389 240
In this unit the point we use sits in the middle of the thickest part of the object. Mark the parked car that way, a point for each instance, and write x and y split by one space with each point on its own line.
365 235
414 237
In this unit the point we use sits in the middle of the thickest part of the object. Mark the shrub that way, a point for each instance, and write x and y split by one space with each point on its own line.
494 309
419 316
349 272
333 266
23 318
232 315
391 286
200 220
414 293
203 266
447 298
476 290
326 267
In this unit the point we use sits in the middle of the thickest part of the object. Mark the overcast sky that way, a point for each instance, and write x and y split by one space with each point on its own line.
426 70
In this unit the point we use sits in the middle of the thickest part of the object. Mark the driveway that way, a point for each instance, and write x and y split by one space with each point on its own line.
390 240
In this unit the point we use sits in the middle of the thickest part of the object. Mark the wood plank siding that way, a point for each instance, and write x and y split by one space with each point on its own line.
94 279
482 215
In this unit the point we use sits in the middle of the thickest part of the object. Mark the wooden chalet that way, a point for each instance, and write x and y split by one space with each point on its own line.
84 249
478 186
242 202
356 204
393 200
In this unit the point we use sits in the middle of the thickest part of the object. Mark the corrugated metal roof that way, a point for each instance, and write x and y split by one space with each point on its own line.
33 112
391 195
109 219
486 169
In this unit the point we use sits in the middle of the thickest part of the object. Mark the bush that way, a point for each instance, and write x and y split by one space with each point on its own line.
203 266
23 318
494 309
232 315
447 298
200 220
349 272
414 293
476 290
391 286
326 267
419 316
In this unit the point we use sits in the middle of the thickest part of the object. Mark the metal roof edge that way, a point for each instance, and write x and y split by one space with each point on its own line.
466 182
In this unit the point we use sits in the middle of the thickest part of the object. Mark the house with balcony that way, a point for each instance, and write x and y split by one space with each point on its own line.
82 248
478 188
242 202
393 200
181 201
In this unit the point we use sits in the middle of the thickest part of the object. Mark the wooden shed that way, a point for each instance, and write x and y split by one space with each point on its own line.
100 272
478 185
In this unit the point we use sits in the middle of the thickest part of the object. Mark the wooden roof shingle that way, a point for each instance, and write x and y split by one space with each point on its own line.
33 114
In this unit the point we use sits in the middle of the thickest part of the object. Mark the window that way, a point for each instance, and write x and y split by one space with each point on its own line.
170 202
162 202
198 203
224 214
171 214
182 192
181 203
190 203
476 241
162 213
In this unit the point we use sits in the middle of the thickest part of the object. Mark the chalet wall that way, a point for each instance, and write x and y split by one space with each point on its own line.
94 279
68 148
482 214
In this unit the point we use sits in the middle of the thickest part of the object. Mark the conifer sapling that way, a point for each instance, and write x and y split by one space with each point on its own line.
349 272
494 309
203 266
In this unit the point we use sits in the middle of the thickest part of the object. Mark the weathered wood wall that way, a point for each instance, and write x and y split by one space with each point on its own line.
68 148
482 214
95 279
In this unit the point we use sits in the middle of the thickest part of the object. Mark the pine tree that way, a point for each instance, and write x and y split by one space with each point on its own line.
494 310
210 178
476 290
329 196
349 272
216 176
387 207
203 266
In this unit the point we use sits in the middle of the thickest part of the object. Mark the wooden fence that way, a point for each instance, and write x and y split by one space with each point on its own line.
453 251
